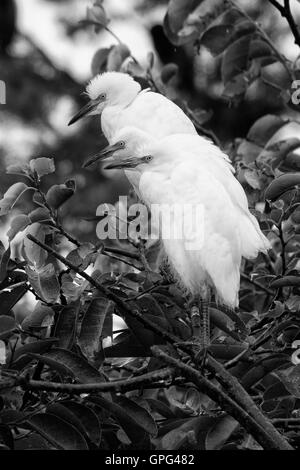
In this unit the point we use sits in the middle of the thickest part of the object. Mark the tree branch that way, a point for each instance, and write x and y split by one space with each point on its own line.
285 11
260 434
224 375
257 284
150 378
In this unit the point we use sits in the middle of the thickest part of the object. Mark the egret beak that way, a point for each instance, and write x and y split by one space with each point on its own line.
124 164
102 155
84 111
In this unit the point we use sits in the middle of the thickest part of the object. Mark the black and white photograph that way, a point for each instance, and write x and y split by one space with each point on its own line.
149 228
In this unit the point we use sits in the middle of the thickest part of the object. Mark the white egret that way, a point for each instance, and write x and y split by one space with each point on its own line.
118 98
189 170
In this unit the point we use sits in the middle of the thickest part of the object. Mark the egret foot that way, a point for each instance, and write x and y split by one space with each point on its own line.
200 340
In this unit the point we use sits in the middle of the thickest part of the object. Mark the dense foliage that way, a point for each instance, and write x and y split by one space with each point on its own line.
147 388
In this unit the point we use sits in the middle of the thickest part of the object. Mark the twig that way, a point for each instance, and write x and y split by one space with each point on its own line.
236 411
264 36
283 244
150 378
110 295
207 132
285 11
257 284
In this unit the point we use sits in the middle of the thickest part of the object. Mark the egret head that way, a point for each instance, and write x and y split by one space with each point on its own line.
108 89
128 142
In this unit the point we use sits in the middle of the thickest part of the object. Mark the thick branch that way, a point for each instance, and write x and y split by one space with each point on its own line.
239 394
259 432
125 385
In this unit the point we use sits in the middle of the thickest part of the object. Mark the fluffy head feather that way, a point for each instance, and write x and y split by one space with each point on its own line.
119 88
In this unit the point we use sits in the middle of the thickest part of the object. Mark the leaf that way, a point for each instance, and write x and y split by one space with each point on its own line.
9 299
6 437
97 14
69 363
253 178
134 431
264 128
139 414
281 184
42 166
41 316
11 197
4 264
81 256
37 256
58 432
168 72
262 368
217 38
65 327
18 224
58 194
259 48
40 214
32 442
286 281
220 432
72 287
161 408
220 320
116 57
177 438
7 326
99 61
92 325
275 153
58 409
291 380
177 13
22 357
235 59
88 419
49 285
248 151
18 169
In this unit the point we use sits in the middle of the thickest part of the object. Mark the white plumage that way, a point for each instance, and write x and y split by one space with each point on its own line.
118 98
191 170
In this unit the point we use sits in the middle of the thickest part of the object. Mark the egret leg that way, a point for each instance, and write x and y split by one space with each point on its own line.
205 324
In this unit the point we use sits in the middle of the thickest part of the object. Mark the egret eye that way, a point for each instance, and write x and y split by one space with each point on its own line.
102 96
122 144
148 158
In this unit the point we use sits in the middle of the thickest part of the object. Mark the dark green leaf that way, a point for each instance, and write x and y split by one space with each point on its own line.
58 432
11 197
69 363
281 184
7 326
235 59
141 416
18 224
88 419
264 128
65 327
220 432
49 285
42 166
90 339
